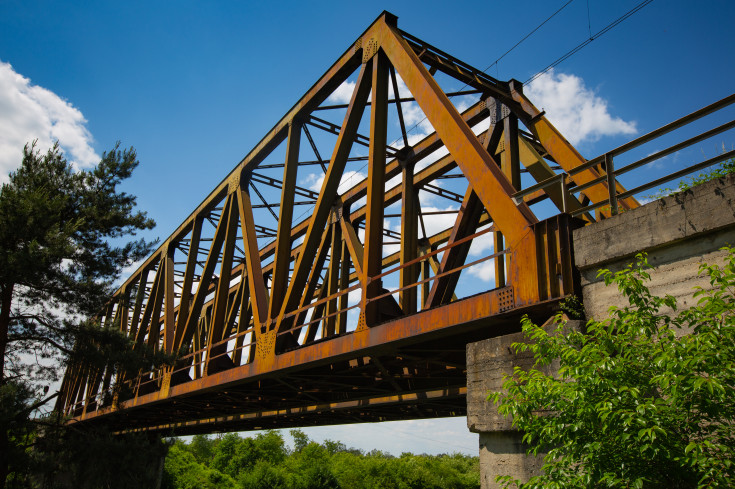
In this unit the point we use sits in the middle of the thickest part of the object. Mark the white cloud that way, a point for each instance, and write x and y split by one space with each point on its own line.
127 271
343 93
465 102
29 112
484 271
412 113
414 116
348 180
353 297
482 245
577 111
394 182
439 222
402 88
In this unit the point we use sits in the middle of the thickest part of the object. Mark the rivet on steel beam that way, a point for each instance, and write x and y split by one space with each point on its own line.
234 182
498 110
369 50
337 213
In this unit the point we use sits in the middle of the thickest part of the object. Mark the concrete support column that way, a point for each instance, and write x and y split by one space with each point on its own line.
501 449
503 453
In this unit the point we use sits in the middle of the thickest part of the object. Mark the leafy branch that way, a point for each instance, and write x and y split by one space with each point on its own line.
636 401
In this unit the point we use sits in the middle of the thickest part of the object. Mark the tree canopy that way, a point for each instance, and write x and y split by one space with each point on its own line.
634 403
58 259
64 239
264 461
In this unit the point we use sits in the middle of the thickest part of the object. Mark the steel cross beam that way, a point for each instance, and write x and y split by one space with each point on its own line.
325 323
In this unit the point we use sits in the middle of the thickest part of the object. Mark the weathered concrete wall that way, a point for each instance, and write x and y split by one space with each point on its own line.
503 453
678 232
501 449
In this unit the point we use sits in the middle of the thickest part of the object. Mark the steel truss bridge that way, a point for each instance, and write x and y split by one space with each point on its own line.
335 276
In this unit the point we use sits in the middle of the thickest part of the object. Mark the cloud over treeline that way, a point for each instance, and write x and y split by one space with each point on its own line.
29 112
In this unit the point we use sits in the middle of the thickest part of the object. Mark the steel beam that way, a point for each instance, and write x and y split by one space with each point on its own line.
282 258
373 258
327 196
478 166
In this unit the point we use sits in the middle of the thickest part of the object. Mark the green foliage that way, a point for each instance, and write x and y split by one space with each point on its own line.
634 403
202 447
265 462
182 470
62 245
58 260
572 306
300 440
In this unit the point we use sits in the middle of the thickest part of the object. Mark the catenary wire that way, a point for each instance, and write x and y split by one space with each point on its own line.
568 54
592 38
494 63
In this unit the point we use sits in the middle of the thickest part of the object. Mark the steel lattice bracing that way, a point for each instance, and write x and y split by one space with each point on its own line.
260 298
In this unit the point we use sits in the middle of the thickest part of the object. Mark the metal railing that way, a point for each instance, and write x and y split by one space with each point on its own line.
605 164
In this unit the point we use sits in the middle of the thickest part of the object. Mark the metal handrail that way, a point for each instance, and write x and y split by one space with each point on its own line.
697 114
610 173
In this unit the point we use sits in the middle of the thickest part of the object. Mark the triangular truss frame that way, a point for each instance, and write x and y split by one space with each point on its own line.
239 312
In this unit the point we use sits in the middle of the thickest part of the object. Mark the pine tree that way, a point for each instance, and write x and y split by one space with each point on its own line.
63 242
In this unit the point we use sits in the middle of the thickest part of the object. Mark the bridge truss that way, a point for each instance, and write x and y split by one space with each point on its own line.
312 289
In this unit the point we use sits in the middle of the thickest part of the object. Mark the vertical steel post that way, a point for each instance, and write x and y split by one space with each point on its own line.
611 183
373 257
283 238
333 280
327 197
344 283
169 326
258 291
409 240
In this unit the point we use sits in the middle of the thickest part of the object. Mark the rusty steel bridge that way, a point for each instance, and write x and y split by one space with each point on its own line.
303 291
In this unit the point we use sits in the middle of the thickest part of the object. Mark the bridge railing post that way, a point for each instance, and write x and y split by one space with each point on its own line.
611 183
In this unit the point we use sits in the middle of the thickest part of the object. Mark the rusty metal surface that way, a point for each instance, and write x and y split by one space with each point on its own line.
359 307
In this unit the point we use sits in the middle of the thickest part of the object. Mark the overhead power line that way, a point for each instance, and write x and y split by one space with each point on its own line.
581 45
501 57
567 55
527 36
559 60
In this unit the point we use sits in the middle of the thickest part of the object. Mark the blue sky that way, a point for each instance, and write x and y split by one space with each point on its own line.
193 86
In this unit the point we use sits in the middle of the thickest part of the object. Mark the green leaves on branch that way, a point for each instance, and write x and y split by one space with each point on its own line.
719 171
61 249
636 401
